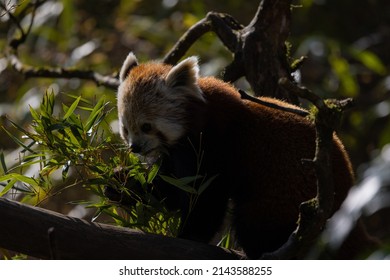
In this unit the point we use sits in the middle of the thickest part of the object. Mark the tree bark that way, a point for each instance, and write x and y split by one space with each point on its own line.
46 234
259 49
264 51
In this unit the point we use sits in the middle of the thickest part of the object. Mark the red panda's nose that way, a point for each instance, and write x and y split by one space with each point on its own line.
135 148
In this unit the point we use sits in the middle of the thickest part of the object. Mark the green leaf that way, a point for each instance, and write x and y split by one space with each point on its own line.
2 161
94 114
82 99
21 178
182 183
21 129
152 173
27 163
65 170
340 67
205 185
71 109
370 60
139 177
74 137
20 143
97 214
10 184
34 114
47 106
75 121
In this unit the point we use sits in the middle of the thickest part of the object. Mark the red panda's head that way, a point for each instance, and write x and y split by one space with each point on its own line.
153 102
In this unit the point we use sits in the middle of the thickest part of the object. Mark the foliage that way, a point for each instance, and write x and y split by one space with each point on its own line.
85 154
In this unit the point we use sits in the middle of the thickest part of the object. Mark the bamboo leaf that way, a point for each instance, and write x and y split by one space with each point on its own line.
72 107
182 183
65 170
205 185
10 184
34 114
20 143
3 165
47 106
21 178
152 173
94 114
21 129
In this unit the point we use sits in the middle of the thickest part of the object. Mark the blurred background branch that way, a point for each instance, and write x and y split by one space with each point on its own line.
30 71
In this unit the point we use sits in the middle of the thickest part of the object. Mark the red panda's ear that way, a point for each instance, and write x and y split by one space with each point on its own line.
130 62
184 74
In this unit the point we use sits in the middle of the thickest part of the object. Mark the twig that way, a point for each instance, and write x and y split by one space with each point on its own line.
296 111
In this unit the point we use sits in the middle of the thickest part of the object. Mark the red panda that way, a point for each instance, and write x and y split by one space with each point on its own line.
255 151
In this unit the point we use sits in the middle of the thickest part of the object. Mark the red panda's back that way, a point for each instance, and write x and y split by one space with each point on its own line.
264 148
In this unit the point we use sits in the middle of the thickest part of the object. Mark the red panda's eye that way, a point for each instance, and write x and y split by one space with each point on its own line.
146 127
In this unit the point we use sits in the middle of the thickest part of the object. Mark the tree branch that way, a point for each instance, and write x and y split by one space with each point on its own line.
259 49
45 234
187 40
264 49
110 81
47 72
315 212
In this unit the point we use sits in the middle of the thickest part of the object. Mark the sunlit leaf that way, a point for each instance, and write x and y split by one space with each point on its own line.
341 68
152 173
21 178
370 60
94 114
10 184
34 114
47 106
71 109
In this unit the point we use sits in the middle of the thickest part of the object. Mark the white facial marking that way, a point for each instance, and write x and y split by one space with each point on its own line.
153 102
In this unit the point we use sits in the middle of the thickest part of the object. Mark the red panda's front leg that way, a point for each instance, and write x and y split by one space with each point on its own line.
205 219
201 214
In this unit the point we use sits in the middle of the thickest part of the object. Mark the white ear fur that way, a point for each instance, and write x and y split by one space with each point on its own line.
130 62
185 73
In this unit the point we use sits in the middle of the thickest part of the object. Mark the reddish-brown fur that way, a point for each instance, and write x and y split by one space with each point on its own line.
264 148
257 153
